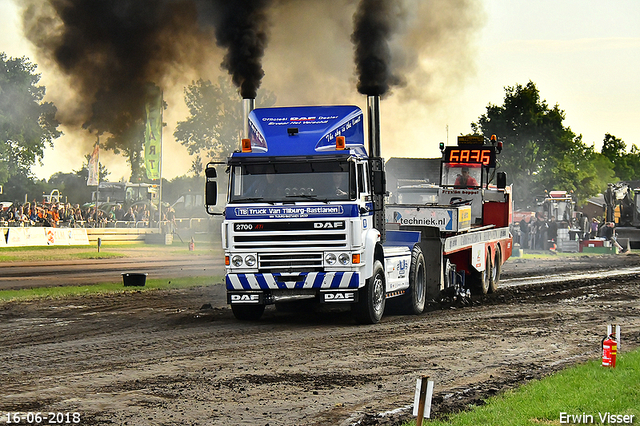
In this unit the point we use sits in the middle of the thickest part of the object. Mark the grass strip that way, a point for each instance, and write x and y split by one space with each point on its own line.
56 255
587 393
101 288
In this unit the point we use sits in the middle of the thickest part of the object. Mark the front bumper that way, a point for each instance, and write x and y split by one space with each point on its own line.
293 281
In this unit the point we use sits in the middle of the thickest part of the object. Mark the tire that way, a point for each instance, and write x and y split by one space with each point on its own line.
248 312
481 281
496 269
414 300
371 298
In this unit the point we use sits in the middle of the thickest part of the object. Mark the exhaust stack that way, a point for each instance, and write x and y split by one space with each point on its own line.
248 105
373 106
376 165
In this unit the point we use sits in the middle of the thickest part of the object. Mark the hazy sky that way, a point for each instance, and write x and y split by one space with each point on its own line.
583 55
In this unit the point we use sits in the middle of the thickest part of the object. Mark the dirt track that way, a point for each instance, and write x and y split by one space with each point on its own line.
162 358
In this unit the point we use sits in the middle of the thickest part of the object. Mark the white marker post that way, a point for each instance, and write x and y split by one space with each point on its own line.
422 399
610 330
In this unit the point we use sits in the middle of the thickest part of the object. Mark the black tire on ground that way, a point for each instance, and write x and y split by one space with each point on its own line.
247 312
481 281
413 301
496 269
371 298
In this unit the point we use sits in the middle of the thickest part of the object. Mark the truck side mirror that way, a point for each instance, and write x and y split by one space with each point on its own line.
211 187
501 180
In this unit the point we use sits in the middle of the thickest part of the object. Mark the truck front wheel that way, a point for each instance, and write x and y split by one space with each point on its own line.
371 298
247 312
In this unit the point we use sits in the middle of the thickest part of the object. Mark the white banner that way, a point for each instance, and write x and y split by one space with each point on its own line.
37 236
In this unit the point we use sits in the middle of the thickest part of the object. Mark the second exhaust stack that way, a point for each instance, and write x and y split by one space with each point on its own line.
373 106
248 105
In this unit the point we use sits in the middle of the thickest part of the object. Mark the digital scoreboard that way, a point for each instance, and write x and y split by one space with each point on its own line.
485 155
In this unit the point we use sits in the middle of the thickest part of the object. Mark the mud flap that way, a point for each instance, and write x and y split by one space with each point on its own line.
478 256
245 298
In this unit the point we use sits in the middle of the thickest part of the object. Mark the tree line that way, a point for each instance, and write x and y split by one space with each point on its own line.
541 153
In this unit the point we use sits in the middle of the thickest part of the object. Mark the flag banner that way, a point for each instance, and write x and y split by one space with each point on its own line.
153 134
94 161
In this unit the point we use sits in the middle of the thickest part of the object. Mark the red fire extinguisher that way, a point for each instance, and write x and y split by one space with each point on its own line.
609 351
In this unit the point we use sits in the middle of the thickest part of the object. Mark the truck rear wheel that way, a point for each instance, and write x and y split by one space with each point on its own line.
496 268
247 312
413 301
371 298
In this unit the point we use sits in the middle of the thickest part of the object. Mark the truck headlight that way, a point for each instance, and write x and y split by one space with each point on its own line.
330 258
236 261
343 258
250 260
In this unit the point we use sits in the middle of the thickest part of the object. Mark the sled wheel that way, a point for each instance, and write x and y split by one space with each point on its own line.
482 280
496 269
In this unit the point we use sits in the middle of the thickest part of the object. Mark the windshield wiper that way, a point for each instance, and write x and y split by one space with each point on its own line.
248 199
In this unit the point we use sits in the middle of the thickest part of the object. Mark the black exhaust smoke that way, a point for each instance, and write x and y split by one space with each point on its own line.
375 22
111 49
241 28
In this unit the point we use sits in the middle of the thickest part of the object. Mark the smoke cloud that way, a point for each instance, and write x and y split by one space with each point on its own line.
110 50
318 51
241 28
375 22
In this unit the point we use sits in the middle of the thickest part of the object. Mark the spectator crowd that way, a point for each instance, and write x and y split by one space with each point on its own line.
538 233
58 214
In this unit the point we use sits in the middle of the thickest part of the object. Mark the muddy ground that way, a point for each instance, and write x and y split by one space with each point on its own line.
180 358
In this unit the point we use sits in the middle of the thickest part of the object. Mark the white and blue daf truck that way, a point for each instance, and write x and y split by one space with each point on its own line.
305 218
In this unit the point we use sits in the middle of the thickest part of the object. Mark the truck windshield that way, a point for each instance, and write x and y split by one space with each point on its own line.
417 194
295 181
461 175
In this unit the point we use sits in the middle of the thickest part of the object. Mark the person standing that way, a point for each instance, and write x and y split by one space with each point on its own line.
524 234
553 230
594 228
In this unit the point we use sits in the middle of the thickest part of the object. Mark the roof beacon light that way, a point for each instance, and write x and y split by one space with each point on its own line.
246 145
494 141
340 143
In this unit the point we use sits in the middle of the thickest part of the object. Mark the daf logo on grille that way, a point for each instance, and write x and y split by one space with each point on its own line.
328 225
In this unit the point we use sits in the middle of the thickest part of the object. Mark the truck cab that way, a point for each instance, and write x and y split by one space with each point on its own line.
299 218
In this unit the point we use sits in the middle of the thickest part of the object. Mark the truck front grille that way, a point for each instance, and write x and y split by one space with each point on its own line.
307 262
290 240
